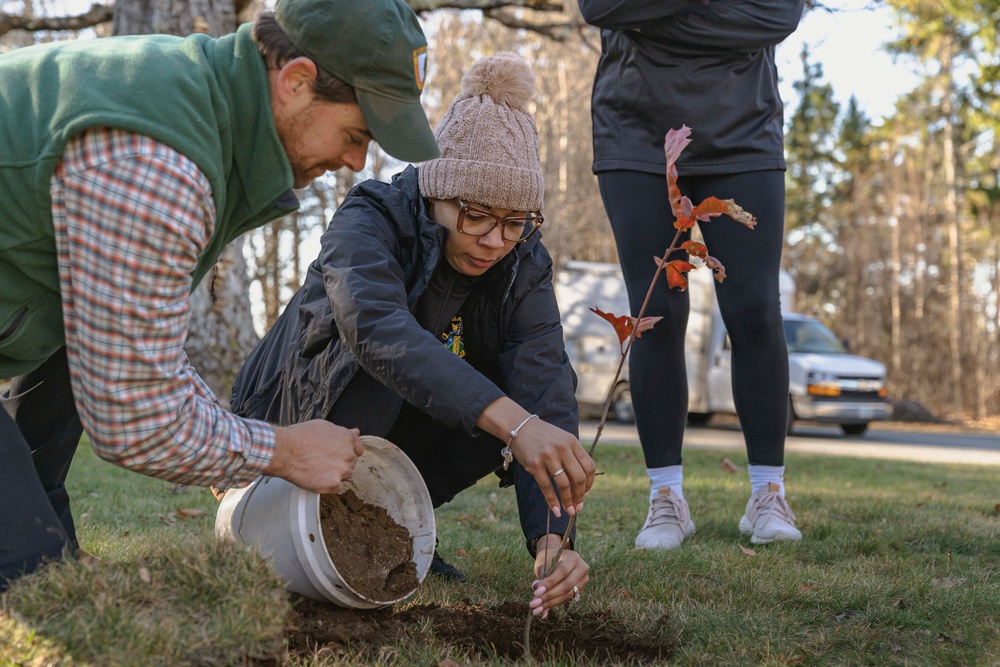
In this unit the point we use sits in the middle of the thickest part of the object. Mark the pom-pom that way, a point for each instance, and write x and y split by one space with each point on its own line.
506 77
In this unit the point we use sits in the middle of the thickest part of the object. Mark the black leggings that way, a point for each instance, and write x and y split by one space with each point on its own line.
639 210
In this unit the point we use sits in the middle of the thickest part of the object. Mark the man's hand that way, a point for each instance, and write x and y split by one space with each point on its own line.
315 455
568 578
545 451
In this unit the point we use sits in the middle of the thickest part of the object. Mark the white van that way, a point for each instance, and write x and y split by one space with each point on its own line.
827 384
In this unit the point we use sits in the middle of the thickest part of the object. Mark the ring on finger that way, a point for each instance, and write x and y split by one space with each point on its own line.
576 594
558 472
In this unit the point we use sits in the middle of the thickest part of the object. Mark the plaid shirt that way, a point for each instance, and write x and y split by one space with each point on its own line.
132 216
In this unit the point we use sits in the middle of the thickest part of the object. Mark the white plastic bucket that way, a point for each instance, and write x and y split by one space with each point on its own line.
281 521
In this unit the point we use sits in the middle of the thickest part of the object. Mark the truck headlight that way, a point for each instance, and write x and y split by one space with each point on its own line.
822 384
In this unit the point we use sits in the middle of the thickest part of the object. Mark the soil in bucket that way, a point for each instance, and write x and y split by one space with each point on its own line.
372 553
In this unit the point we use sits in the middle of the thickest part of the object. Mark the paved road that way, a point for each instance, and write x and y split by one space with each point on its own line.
883 443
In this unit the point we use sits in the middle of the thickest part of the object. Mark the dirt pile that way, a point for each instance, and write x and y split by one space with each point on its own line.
372 553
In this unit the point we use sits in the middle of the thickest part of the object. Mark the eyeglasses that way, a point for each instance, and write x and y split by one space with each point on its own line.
516 228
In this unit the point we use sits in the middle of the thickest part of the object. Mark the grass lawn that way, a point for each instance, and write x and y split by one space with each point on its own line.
900 565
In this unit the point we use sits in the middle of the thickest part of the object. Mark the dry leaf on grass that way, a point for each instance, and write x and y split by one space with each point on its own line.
748 551
189 513
448 662
950 582
144 574
728 465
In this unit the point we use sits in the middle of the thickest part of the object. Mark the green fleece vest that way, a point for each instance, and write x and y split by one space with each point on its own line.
207 98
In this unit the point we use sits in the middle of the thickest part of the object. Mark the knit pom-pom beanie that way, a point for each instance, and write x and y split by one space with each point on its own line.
488 140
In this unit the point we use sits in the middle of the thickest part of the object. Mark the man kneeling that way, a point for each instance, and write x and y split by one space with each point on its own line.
429 318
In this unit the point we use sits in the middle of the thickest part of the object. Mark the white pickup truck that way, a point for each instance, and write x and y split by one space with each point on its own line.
827 383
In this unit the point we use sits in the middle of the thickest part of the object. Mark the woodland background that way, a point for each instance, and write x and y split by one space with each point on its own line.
892 227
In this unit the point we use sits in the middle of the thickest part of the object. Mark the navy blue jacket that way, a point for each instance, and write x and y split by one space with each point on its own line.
354 315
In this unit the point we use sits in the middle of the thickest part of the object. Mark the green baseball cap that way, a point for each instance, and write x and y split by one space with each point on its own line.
378 48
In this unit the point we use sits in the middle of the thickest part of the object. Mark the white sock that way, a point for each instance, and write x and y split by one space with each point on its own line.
672 476
760 476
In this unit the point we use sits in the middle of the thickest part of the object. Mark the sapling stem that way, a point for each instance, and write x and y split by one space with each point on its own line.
549 567
686 215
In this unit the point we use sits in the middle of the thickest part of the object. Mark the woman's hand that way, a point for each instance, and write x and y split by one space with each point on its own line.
549 454
564 584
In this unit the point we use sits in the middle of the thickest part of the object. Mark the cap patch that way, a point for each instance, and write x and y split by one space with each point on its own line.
420 66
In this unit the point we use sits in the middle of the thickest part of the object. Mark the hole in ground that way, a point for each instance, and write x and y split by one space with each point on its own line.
483 631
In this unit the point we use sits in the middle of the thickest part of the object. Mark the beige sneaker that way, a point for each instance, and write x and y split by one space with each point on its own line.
768 517
667 523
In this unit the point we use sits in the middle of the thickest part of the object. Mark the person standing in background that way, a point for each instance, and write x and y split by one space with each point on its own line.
708 64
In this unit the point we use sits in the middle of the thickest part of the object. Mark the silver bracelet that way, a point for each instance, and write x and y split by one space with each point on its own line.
507 453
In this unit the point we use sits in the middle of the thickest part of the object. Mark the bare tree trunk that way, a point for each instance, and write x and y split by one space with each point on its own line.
894 299
221 333
953 213
174 17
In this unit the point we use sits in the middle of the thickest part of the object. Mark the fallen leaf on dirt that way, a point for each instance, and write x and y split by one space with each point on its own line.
189 513
461 553
950 582
144 574
728 465
748 551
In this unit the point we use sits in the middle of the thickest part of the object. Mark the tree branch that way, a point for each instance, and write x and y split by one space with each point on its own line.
420 6
96 15
494 9
557 31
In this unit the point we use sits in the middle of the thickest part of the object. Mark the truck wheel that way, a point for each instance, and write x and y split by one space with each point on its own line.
699 418
854 429
621 405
